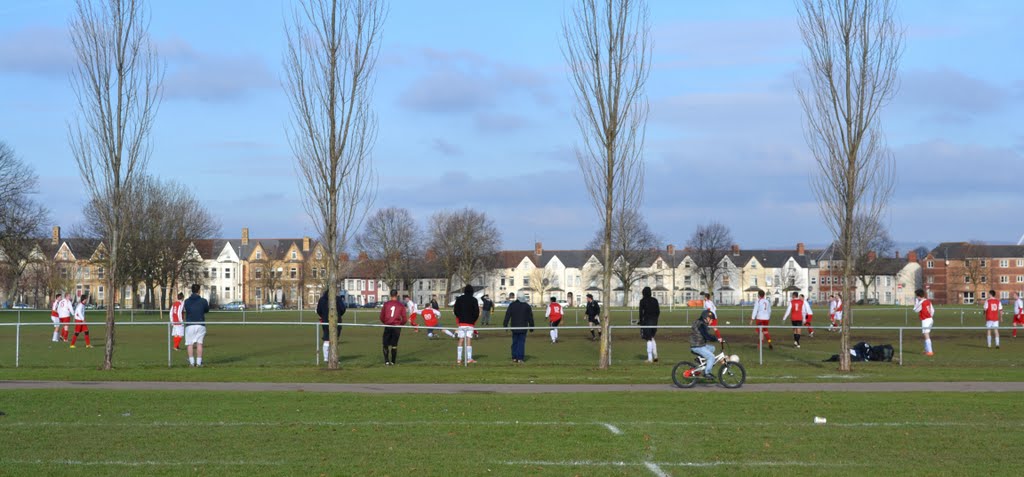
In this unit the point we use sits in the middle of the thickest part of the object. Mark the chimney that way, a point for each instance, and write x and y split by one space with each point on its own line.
305 244
911 256
897 255
671 249
343 257
872 256
363 257
538 249
431 255
56 235
735 250
800 249
245 235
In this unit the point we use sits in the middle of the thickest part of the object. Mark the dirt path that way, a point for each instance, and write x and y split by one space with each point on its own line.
512 388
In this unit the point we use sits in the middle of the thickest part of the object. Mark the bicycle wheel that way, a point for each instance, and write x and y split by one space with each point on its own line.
682 374
732 375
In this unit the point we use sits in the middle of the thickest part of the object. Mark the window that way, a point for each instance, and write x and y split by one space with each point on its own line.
1004 295
206 273
686 264
814 281
372 285
99 293
293 273
319 255
502 281
213 273
1004 279
753 266
725 281
512 281
526 281
258 273
259 293
888 281
64 255
888 297
1020 262
63 273
686 281
983 263
421 286
280 272
754 281
1004 263
362 285
930 264
1020 278
930 279
578 280
99 273
227 272
86 272
984 279
295 255
658 280
259 255
227 293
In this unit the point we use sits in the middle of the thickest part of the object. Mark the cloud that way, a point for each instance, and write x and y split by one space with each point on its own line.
465 81
37 50
949 96
718 44
500 122
446 148
968 172
192 74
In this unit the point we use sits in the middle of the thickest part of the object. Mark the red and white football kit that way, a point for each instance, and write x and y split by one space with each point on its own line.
177 324
554 315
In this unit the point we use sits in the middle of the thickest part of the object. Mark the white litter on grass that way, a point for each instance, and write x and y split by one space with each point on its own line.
651 466
615 430
840 376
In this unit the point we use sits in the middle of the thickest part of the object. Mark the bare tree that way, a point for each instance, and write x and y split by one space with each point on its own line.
874 243
332 48
466 245
21 220
975 266
853 54
393 240
541 280
607 46
707 247
634 247
117 84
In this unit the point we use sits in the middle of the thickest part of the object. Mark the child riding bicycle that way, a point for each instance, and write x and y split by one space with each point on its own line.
700 341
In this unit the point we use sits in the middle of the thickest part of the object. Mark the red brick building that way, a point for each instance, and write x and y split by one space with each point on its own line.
964 273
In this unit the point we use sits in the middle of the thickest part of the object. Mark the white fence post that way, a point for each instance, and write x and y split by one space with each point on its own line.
17 342
901 346
169 328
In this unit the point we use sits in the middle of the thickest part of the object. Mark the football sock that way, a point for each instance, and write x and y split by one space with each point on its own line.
928 345
449 333
650 351
327 348
987 337
460 353
796 337
654 348
386 355
73 339
191 361
592 335
88 343
199 361
554 335
394 354
177 341
469 353
56 334
997 339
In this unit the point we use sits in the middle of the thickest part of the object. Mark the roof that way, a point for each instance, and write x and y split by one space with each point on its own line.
770 258
961 250
569 258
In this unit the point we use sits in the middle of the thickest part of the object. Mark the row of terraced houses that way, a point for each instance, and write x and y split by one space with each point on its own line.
290 272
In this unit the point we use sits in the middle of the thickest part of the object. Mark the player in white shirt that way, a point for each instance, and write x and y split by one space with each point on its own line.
837 317
832 312
80 325
64 311
1018 312
56 319
808 316
762 316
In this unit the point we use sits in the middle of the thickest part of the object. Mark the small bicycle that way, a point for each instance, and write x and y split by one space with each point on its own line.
731 374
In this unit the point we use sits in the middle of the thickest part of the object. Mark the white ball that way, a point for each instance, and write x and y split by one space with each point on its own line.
728 322
734 358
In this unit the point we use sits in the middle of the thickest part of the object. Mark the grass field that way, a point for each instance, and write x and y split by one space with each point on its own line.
285 433
263 352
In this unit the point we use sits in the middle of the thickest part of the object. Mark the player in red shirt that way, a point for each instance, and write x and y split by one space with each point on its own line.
393 315
993 309
1018 312
796 310
554 315
177 322
926 312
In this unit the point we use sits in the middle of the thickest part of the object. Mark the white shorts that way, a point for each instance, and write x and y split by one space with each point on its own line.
991 324
178 330
194 334
839 316
926 325
55 320
464 331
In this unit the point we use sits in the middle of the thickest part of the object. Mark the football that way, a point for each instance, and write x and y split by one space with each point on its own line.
734 358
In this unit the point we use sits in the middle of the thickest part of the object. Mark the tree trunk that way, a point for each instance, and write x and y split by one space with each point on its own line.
108 351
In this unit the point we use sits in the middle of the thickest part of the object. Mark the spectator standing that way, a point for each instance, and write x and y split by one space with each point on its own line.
467 311
486 310
393 315
649 313
196 308
593 313
518 315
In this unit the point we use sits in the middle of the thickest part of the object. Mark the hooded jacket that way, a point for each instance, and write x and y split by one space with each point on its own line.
699 333
649 309
519 315
466 308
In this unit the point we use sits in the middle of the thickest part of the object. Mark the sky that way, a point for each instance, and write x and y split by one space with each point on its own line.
475 109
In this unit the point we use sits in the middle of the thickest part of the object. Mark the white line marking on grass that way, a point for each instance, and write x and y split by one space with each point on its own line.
651 466
615 430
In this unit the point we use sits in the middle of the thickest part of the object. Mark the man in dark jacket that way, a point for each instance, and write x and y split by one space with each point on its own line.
649 312
593 317
195 309
486 310
701 338
467 311
322 310
518 315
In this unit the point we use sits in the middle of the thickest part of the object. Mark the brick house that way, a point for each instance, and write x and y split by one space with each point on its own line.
964 272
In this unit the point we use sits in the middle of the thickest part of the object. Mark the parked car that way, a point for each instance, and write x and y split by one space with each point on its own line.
90 306
371 304
270 306
21 306
233 306
502 304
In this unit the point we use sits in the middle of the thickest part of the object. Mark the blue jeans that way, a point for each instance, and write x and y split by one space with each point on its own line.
708 353
519 346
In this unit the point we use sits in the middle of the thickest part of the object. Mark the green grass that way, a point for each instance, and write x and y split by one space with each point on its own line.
52 432
287 353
